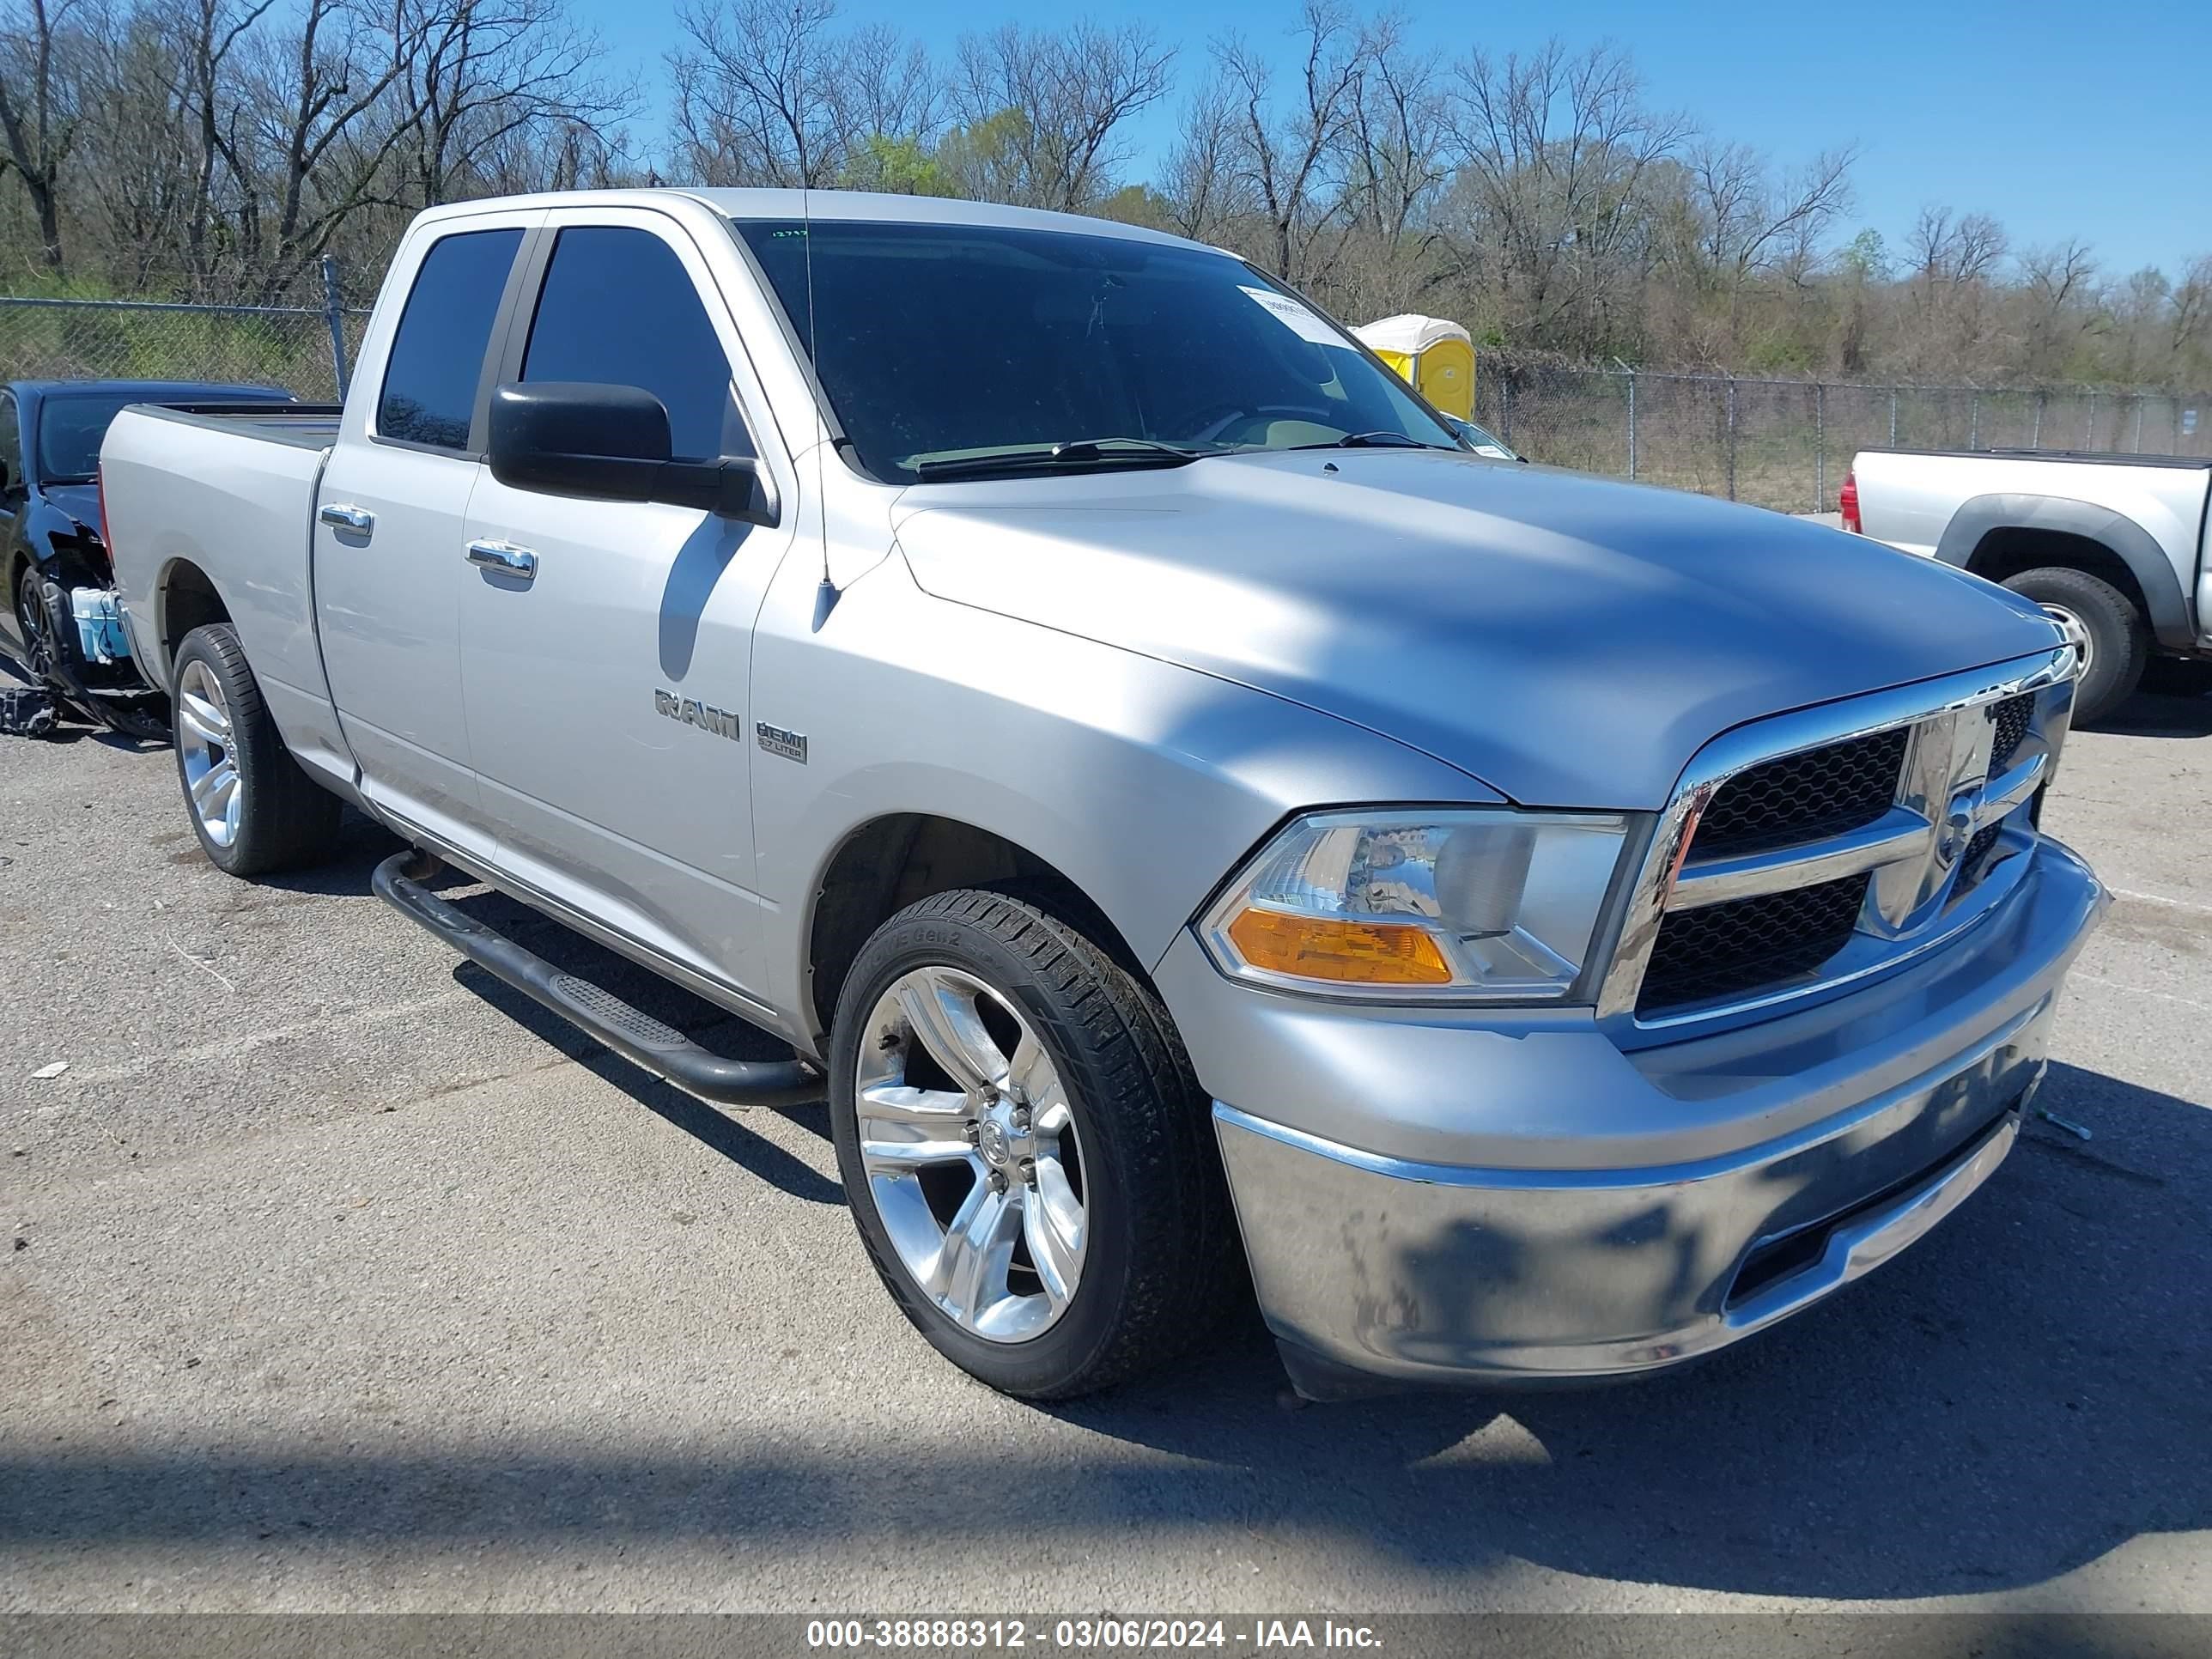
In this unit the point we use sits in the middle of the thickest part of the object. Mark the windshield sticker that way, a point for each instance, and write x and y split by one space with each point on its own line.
1294 317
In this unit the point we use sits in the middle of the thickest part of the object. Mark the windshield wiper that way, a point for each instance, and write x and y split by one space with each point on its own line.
1374 440
1081 455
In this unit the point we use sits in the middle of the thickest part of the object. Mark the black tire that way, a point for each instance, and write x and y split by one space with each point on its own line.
1160 1257
2119 633
286 821
30 614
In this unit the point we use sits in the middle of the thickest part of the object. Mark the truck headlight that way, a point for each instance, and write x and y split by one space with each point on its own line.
1420 904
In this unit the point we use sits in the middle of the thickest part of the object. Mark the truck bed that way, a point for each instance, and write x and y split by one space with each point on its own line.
220 500
2097 456
1910 497
303 426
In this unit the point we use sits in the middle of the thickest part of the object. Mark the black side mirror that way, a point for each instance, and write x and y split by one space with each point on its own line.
611 443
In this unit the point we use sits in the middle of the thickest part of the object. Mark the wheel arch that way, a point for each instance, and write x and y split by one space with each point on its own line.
899 859
2000 536
185 598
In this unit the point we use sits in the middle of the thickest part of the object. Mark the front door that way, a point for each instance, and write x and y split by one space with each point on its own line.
388 520
606 646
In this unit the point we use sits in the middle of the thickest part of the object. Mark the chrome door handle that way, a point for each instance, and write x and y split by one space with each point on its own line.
505 557
341 515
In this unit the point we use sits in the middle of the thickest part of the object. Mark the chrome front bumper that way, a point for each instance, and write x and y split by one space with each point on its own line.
1807 1151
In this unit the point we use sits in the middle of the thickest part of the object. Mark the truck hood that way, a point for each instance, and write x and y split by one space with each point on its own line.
1569 641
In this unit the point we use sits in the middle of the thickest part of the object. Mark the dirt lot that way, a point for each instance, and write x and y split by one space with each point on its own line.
341 1278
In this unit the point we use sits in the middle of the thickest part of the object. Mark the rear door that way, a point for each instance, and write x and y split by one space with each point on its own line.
606 690
388 527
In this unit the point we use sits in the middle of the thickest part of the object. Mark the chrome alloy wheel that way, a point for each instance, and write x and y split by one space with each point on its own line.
210 762
972 1157
2077 636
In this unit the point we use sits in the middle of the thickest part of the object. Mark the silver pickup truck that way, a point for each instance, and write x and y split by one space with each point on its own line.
2116 549
1187 812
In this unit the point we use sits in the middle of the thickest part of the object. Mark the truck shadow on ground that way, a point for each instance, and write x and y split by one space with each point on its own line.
2021 1393
366 844
2171 704
695 1018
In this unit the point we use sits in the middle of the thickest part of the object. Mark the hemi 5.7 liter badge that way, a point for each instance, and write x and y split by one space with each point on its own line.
792 745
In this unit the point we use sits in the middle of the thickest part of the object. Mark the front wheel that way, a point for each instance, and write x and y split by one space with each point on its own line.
2108 633
1026 1153
252 808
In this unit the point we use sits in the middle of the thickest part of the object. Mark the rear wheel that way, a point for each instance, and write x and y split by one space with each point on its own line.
1025 1151
2103 625
252 808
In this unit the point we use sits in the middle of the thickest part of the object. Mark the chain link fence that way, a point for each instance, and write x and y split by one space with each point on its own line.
1787 444
1783 444
303 349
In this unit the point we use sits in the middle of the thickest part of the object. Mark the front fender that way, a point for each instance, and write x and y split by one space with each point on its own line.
1142 783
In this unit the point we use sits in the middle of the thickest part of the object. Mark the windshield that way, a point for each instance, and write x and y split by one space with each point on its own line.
1479 439
70 431
72 424
940 344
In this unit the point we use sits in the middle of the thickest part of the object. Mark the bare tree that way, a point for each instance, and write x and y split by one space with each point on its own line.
1955 261
1287 151
2191 332
485 73
1559 148
2059 285
1198 176
133 161
886 88
1399 159
1738 222
327 130
38 109
754 98
1044 112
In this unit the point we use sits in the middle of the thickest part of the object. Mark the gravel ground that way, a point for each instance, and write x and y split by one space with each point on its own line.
341 1278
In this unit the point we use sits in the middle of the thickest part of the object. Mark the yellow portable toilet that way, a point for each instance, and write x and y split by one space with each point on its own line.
1436 357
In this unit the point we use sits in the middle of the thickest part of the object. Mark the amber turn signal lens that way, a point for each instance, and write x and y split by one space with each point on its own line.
1330 948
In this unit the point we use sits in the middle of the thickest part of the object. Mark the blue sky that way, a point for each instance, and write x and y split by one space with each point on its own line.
2070 119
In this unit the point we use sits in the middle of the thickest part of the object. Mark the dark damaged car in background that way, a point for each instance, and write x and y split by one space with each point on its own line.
62 626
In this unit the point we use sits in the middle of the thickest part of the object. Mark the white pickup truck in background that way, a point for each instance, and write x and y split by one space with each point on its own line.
2117 549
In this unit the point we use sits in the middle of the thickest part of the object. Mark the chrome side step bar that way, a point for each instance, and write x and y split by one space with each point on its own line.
634 1035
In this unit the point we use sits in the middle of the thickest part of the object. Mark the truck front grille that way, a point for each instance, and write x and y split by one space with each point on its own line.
1825 845
1820 792
1749 944
2011 719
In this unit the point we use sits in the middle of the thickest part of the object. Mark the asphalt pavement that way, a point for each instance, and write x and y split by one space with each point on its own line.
343 1279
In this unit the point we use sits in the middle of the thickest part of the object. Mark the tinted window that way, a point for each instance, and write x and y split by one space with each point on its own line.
438 353
950 340
619 309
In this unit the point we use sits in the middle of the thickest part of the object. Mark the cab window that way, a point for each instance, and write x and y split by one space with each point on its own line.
618 308
437 357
